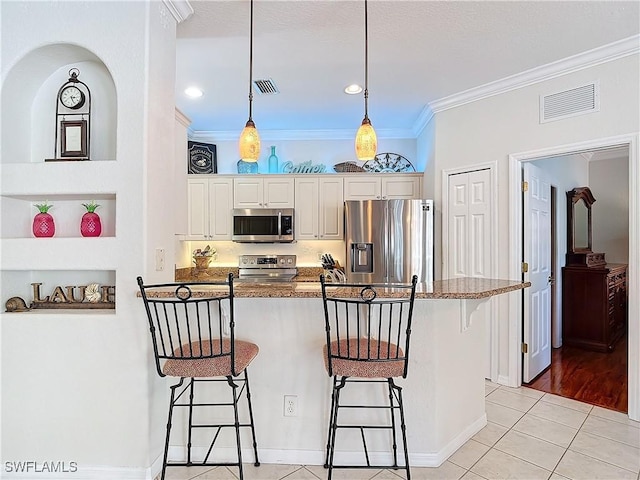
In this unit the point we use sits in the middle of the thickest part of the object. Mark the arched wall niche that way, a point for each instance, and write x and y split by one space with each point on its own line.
29 103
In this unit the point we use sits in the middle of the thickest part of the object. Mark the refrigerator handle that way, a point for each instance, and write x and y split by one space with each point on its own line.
387 247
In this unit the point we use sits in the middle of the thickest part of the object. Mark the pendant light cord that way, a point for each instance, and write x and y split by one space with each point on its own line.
251 64
366 62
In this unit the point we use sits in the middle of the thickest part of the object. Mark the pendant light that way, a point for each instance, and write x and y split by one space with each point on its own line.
249 139
366 138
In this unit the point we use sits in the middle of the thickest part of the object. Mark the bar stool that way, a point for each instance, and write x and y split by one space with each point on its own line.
192 331
367 342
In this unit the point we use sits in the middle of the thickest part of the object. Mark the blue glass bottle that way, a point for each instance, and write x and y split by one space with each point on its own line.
273 161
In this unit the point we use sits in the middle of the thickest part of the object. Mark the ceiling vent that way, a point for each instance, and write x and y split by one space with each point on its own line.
569 103
265 87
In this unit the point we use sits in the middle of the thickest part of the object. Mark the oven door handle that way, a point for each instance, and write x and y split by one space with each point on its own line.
279 224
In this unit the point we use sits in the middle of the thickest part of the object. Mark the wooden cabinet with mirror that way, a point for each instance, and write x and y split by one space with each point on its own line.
594 293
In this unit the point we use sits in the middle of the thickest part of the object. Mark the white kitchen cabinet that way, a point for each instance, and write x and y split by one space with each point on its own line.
210 201
255 192
319 204
382 186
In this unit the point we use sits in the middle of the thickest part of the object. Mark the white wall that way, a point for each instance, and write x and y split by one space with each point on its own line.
609 183
491 129
80 390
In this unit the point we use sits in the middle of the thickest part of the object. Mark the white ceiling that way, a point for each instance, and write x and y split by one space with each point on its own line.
419 52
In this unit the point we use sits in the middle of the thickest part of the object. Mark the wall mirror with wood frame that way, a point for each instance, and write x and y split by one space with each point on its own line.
579 229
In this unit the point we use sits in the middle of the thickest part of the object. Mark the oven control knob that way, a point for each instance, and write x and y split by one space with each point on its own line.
282 260
244 261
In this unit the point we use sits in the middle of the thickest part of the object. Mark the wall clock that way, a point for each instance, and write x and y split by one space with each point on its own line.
72 97
73 120
388 163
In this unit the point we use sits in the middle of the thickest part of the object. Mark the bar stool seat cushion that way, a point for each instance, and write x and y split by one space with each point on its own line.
244 351
365 358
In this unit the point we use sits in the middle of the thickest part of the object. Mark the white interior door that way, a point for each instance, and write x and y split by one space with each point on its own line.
469 252
469 224
537 255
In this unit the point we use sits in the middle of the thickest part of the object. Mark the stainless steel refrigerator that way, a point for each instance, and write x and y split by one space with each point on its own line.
389 241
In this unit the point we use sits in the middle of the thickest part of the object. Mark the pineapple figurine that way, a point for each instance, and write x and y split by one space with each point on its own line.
43 224
90 225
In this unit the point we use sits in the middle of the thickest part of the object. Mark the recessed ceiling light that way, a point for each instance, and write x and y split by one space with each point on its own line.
353 89
193 92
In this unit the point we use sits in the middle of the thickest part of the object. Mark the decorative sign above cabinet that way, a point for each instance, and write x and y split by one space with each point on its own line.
305 167
202 158
72 120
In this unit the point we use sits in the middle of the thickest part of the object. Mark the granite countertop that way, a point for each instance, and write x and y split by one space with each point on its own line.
306 285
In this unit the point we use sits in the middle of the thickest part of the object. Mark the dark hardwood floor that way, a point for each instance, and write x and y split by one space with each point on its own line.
591 377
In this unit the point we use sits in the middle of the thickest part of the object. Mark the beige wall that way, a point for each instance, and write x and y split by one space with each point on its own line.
609 183
493 128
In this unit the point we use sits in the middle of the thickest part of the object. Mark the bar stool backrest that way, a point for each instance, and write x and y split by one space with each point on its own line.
368 322
186 323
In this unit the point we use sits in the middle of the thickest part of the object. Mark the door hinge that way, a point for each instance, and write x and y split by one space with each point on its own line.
525 186
525 267
525 348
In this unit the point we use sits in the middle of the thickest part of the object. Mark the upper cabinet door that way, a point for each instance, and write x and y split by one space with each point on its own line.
306 201
220 206
399 187
362 187
198 207
247 192
278 192
331 209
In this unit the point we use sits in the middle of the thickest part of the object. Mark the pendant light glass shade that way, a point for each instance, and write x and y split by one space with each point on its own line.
366 141
249 143
366 138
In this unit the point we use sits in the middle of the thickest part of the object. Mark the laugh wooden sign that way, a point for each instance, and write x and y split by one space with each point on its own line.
75 296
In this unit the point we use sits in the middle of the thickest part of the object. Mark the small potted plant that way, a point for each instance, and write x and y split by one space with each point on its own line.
202 257
43 224
90 226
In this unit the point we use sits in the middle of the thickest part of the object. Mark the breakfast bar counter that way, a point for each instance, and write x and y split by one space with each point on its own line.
444 391
307 285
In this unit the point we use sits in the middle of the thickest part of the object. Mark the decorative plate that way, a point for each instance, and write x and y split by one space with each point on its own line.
388 163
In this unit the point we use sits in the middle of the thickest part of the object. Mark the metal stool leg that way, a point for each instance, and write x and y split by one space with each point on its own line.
253 430
403 427
333 404
169 421
334 423
234 389
393 423
189 433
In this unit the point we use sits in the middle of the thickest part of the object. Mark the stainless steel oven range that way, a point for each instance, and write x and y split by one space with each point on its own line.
267 268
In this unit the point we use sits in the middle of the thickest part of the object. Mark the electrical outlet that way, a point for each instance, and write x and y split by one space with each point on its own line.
319 257
290 406
159 259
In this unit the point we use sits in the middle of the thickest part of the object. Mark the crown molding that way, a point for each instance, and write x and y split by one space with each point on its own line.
180 9
590 58
289 135
426 115
182 118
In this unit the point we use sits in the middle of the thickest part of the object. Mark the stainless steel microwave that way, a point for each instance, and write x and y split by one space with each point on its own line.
262 225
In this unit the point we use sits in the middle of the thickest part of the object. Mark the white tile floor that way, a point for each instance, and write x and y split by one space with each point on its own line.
530 435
